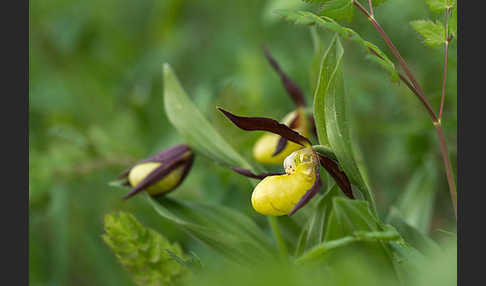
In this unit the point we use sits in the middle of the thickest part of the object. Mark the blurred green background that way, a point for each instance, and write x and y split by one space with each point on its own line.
96 106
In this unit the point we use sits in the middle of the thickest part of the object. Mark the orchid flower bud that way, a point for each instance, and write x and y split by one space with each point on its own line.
266 149
278 195
141 171
160 173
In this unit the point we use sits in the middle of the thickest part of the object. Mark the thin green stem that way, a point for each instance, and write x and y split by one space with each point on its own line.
324 247
273 221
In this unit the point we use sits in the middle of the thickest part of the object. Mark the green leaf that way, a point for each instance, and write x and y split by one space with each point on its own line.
351 222
146 254
378 2
319 50
349 216
338 9
416 204
375 2
325 151
308 18
325 71
433 33
439 6
272 5
355 218
331 100
453 22
412 235
316 1
315 228
229 233
194 127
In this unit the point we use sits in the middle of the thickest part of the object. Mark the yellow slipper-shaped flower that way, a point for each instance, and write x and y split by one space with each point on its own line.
278 195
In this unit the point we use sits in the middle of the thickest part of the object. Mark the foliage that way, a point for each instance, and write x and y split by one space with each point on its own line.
226 231
95 108
433 32
307 18
440 5
143 252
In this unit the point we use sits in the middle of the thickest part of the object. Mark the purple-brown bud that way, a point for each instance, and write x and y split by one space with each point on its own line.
160 173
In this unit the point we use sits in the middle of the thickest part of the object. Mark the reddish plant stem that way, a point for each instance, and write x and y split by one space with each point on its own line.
447 165
446 54
370 3
402 77
401 61
417 90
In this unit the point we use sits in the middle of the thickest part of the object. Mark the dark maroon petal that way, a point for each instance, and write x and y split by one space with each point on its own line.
266 124
169 154
339 176
292 88
185 172
159 173
316 187
165 156
250 174
313 125
282 142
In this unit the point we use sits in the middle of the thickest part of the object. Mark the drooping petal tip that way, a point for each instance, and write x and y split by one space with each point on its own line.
292 88
250 174
266 124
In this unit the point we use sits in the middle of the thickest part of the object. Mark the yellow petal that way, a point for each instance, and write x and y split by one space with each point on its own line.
265 147
139 172
277 195
267 144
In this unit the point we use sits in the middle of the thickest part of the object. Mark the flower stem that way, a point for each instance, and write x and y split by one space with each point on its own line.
370 3
278 236
326 246
447 165
417 90
401 61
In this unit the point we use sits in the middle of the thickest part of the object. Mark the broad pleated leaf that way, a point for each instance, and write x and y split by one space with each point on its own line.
228 232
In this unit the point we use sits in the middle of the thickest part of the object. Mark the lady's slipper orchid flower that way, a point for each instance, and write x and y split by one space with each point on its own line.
278 195
160 173
285 193
271 148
